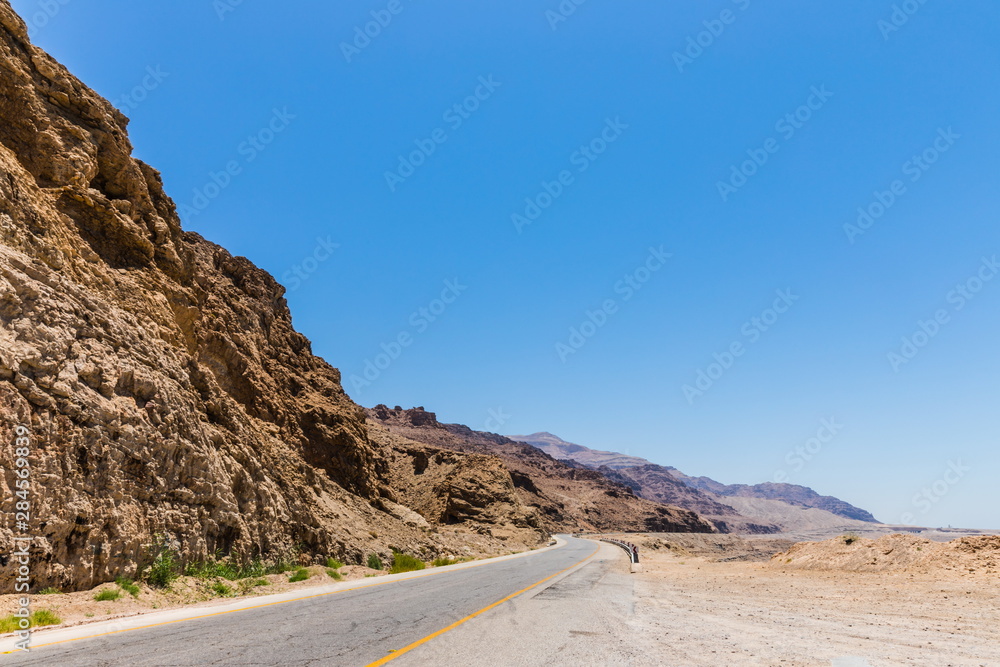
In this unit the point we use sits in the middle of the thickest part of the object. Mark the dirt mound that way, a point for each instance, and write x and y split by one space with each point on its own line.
976 555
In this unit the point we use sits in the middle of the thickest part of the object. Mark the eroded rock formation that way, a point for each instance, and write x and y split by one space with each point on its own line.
165 388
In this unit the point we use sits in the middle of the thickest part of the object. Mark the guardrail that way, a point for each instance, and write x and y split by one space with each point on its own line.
630 549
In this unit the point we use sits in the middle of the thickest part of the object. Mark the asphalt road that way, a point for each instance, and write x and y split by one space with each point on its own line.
351 628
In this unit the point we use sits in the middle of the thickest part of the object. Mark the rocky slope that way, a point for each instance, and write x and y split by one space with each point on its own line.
442 487
165 389
657 483
565 496
730 507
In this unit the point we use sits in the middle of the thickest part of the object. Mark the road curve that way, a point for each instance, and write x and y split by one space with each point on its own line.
351 628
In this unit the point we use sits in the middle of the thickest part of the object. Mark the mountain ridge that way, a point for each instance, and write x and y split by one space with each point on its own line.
659 482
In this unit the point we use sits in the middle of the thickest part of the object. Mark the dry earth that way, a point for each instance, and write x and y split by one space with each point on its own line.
693 609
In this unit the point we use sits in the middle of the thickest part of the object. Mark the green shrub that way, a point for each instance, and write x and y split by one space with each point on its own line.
374 562
165 567
128 586
405 563
300 574
45 617
281 566
39 618
107 595
50 591
333 574
214 568
850 538
221 588
334 564
441 562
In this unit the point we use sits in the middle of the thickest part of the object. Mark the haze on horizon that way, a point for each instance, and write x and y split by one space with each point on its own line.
778 303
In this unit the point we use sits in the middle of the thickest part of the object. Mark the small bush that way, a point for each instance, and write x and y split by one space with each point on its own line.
405 563
45 617
334 564
128 586
221 588
300 574
374 562
850 538
333 574
281 566
164 568
107 595
237 570
39 618
50 591
442 562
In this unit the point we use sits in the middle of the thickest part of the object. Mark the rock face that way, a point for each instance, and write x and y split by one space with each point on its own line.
453 489
165 389
565 496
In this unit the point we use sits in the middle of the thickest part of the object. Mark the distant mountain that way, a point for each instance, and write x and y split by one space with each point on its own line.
714 500
558 448
793 494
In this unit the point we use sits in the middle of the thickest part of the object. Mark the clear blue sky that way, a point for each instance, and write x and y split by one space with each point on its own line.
552 86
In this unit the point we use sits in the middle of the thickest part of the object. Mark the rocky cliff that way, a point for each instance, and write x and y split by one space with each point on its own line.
165 389
565 496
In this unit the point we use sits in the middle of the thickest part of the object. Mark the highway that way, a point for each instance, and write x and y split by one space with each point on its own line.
402 622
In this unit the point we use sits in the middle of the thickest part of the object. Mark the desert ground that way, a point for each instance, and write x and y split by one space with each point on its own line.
898 600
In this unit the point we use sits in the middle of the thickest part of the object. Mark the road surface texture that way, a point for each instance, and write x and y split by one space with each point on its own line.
364 626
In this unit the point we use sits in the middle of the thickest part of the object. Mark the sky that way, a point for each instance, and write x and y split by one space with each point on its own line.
754 241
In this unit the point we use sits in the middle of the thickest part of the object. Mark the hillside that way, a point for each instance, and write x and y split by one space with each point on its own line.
167 395
566 497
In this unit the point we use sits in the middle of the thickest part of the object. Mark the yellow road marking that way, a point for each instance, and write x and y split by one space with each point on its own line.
438 571
398 652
